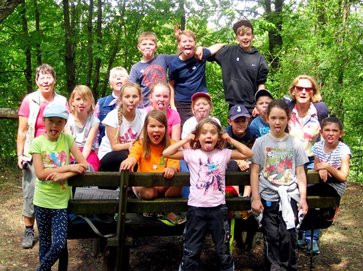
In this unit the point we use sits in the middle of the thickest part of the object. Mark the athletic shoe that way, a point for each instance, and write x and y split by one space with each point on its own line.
28 241
316 249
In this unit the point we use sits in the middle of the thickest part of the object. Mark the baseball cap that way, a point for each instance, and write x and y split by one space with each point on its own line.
263 92
240 23
56 109
201 94
238 110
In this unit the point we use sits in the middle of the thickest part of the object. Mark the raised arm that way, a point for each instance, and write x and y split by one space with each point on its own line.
174 150
172 94
215 48
241 152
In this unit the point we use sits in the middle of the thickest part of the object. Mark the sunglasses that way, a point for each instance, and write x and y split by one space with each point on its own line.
307 89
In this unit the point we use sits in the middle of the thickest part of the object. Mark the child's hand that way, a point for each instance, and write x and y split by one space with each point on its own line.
226 137
323 173
321 165
169 172
243 164
303 206
190 137
128 164
77 168
198 53
256 206
57 177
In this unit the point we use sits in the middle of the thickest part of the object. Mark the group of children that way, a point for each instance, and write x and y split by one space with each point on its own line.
138 128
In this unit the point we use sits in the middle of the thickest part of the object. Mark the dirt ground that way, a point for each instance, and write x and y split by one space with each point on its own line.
341 244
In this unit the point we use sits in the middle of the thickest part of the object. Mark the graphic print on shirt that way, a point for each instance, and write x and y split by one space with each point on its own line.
278 165
53 160
128 136
154 74
209 176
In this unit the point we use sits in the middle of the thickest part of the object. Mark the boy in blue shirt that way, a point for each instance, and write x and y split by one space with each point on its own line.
259 124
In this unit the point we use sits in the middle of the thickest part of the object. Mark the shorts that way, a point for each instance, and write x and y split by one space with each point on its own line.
28 183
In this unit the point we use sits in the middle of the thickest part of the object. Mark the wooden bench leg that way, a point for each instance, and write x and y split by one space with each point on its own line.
109 258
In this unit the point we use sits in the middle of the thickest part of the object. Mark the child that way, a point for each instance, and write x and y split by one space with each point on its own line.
151 69
259 124
201 108
118 77
187 74
160 100
147 154
123 126
244 69
83 125
331 160
51 152
207 211
278 183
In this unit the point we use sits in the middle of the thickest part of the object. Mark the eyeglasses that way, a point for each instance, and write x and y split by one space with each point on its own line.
307 89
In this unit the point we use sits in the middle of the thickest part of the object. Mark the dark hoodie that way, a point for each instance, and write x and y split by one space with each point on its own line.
242 72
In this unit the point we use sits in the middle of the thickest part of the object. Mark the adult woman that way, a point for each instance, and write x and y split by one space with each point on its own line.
160 100
307 111
31 125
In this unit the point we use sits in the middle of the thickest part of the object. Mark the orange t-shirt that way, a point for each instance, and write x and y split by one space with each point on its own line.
157 161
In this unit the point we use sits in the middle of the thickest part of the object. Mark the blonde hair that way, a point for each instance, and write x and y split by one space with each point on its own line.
187 33
316 93
119 68
160 116
120 109
148 36
195 144
86 94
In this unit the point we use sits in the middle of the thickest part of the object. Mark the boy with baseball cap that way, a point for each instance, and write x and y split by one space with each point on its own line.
259 124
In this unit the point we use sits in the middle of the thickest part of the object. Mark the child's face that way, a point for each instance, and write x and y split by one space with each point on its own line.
155 131
45 82
130 99
208 137
303 91
148 48
239 125
160 98
187 45
117 79
245 38
331 133
81 104
201 108
278 121
262 104
54 127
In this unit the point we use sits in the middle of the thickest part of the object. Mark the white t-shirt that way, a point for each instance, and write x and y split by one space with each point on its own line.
190 124
128 131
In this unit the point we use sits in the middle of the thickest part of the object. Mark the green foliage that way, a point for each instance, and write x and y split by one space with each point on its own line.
319 38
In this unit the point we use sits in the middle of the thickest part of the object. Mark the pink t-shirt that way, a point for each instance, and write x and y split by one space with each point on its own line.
172 116
24 111
207 176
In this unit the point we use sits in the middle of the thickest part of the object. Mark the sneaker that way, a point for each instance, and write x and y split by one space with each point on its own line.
301 243
316 249
28 241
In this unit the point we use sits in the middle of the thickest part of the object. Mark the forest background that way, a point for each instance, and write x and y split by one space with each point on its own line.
83 40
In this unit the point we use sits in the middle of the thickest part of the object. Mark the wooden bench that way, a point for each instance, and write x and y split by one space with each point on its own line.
128 224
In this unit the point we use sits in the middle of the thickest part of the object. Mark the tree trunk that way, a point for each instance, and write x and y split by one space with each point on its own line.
38 52
96 78
7 7
90 46
182 14
69 54
27 50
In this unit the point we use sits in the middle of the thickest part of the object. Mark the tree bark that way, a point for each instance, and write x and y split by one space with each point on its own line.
69 54
7 7
90 46
96 77
38 52
27 49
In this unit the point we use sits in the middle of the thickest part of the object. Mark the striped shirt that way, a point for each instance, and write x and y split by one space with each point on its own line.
334 158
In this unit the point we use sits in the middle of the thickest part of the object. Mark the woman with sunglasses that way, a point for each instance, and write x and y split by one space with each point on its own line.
307 111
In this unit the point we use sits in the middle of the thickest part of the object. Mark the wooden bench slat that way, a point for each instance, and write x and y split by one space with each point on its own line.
84 207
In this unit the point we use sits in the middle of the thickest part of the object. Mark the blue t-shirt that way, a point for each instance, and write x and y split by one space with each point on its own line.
147 74
259 127
189 76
